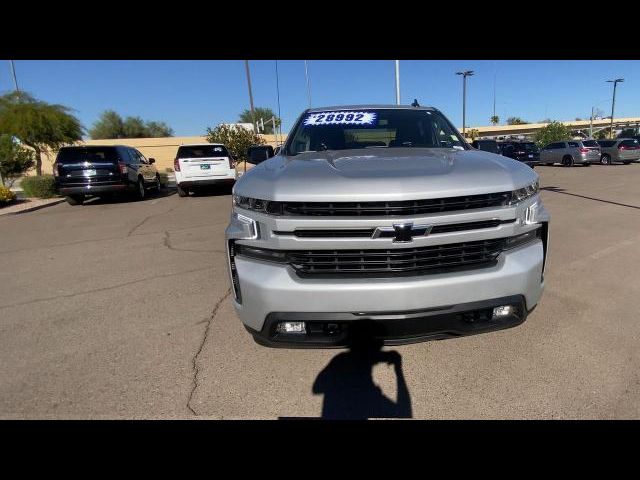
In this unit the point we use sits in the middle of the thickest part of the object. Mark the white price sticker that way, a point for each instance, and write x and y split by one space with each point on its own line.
341 118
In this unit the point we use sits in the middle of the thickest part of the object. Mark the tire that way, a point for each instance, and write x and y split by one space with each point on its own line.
158 185
605 159
182 192
140 190
567 161
588 164
75 199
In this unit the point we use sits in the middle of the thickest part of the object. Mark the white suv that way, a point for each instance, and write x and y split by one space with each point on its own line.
202 164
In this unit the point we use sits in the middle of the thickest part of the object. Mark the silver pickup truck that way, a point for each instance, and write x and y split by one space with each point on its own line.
380 221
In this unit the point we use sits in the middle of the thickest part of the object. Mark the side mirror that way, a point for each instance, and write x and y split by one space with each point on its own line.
152 160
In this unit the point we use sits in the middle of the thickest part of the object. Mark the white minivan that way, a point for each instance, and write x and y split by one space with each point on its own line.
203 164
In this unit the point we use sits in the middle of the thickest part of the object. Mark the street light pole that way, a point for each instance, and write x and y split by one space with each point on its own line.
278 92
253 115
613 102
465 74
15 79
591 124
306 74
397 82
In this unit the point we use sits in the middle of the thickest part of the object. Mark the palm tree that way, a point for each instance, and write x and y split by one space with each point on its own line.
495 119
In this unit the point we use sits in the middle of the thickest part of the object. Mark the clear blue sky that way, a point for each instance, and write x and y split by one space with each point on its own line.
192 95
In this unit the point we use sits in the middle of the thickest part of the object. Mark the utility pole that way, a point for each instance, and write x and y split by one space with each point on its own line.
613 102
465 74
397 82
15 79
253 115
306 74
278 92
494 95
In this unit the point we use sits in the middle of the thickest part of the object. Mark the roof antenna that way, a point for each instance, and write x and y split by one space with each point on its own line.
415 103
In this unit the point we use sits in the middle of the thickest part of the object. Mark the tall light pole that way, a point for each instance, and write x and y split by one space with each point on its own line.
613 102
397 82
15 79
253 115
465 74
278 92
306 74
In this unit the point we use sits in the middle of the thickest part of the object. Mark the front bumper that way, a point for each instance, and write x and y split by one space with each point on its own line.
271 291
335 330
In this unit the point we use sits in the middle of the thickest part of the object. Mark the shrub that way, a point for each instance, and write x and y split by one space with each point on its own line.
14 159
236 139
6 196
41 187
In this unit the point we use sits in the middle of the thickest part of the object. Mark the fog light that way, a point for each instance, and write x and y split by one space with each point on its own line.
503 311
291 327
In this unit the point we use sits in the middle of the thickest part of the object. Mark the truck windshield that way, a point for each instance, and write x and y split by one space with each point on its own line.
372 128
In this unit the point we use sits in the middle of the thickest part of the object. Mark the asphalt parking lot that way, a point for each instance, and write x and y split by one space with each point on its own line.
122 310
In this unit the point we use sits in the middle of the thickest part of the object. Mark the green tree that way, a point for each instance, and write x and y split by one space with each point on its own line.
134 127
515 121
260 112
40 125
236 139
495 119
554 132
14 159
109 125
159 129
112 125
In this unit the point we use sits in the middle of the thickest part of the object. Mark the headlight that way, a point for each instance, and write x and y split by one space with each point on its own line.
522 194
257 205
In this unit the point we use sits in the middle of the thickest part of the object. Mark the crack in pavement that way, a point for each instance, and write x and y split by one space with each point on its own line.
167 243
148 217
56 245
102 289
196 370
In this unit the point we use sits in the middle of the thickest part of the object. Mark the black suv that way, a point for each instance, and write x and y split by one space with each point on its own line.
486 145
525 152
101 170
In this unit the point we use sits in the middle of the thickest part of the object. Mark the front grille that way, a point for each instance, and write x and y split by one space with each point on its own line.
410 261
368 232
388 209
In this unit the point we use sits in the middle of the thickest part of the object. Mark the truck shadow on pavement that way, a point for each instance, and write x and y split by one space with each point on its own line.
348 388
564 192
124 198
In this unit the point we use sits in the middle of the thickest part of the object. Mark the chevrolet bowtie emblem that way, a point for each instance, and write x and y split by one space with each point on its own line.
402 232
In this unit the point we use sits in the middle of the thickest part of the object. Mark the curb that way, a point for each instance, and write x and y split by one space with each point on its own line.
34 208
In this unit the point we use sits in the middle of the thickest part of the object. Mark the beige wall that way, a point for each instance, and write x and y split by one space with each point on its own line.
162 149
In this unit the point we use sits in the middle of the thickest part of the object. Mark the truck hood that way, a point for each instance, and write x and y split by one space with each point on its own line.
388 174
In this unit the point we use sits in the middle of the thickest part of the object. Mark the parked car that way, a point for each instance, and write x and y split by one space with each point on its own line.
625 150
486 145
570 153
103 170
256 154
202 164
525 152
383 221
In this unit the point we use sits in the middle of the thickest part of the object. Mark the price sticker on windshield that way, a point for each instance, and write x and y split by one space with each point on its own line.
341 118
